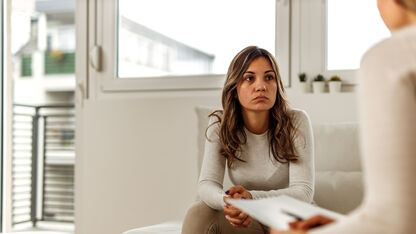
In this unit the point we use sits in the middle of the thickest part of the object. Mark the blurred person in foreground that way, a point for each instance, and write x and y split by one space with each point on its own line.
388 113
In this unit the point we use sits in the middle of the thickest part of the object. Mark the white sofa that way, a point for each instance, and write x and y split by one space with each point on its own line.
338 182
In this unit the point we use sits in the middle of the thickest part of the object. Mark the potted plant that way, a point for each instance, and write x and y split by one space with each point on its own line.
335 84
302 82
319 84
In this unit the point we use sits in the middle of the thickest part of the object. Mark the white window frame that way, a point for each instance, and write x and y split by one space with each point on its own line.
103 33
309 42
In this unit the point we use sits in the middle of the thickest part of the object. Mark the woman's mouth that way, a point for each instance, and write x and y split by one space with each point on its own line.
260 98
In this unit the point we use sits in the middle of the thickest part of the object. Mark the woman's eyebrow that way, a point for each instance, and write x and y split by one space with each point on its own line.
268 71
249 72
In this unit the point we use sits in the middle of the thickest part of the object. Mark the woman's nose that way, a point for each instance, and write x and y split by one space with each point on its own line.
260 86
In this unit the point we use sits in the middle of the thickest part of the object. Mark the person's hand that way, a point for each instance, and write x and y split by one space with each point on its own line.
314 221
237 192
301 227
236 217
274 231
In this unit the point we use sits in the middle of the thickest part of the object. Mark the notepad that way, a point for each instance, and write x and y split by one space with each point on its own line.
277 212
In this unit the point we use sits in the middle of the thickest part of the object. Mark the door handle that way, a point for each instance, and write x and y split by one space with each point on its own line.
95 57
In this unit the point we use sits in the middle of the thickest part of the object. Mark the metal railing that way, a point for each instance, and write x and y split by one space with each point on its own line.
43 163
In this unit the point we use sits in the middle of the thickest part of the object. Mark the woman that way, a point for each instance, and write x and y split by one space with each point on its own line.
388 115
266 146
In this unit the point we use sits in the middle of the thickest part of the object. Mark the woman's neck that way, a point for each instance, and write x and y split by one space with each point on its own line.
256 122
407 18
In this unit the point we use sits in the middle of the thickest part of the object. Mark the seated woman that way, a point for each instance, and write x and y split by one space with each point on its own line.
266 145
388 115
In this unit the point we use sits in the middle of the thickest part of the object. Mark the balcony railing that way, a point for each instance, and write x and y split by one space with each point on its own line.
43 163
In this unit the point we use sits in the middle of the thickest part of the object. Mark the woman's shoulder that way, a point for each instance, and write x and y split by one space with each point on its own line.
298 114
300 118
393 52
215 116
214 122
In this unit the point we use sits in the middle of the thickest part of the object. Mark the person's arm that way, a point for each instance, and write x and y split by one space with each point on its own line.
302 172
210 185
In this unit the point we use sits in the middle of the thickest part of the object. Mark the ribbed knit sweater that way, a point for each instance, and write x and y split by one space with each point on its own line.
261 174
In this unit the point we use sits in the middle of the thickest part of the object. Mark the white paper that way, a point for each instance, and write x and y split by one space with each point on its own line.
268 211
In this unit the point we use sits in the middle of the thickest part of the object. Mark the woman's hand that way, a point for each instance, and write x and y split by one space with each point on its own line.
238 191
274 231
301 227
236 217
314 221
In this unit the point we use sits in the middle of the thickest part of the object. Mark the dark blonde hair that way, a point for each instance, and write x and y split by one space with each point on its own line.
408 4
231 126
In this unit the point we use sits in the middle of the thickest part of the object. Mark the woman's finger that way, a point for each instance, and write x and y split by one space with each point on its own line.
233 220
242 216
313 222
235 189
246 222
231 211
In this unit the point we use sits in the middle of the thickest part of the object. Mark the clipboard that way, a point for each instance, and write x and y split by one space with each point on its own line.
278 212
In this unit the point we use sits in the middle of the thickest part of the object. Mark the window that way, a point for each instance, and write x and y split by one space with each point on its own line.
349 37
330 36
188 37
176 45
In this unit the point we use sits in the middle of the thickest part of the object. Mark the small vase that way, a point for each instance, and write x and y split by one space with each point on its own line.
304 87
318 86
334 86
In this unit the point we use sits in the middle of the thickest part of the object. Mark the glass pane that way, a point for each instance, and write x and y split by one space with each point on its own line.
42 40
189 37
43 50
353 27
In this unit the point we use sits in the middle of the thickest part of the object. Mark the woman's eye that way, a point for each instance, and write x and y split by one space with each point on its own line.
269 77
249 78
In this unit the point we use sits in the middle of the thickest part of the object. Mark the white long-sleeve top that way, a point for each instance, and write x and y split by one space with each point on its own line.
388 114
261 174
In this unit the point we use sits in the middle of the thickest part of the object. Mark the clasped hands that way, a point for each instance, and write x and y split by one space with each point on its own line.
236 217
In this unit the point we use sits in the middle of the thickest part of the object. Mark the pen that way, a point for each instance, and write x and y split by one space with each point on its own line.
297 217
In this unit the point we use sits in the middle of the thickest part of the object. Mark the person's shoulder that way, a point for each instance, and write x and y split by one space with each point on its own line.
214 122
215 116
299 116
391 51
375 56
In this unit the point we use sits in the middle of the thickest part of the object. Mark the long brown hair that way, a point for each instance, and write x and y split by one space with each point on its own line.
231 126
408 4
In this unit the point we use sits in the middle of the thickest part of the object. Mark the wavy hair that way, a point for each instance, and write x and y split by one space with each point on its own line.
408 4
231 126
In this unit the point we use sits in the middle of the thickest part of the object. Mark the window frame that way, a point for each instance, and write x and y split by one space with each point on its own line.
104 34
309 40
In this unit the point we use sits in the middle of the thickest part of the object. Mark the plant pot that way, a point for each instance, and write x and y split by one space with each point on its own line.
318 86
334 86
304 87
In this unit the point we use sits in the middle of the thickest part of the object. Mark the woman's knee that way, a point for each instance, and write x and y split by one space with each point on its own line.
198 219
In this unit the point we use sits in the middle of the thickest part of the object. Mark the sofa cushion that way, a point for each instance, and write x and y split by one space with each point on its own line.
338 191
337 147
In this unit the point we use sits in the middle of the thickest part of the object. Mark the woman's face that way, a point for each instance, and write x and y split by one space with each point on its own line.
257 89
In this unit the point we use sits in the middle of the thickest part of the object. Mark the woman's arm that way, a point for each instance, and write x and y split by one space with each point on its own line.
302 172
210 185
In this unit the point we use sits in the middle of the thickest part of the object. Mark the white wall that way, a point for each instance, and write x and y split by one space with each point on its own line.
138 164
325 107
